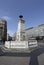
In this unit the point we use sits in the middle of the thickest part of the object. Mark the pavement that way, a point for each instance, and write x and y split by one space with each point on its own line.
35 57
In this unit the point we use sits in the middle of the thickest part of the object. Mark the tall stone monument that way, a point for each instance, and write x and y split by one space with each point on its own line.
20 31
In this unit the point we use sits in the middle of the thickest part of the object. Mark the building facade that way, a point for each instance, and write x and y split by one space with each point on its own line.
37 31
3 30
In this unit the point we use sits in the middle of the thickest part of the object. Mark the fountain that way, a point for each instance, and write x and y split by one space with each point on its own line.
20 37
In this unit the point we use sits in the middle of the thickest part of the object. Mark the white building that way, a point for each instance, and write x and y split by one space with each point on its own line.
35 31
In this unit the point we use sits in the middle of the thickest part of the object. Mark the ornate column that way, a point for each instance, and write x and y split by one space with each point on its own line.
20 31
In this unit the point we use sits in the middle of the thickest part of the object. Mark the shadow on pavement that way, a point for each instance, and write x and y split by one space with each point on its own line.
34 56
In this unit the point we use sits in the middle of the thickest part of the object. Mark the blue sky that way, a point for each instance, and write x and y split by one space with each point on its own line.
32 11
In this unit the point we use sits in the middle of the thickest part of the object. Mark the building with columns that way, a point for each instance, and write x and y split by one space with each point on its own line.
37 31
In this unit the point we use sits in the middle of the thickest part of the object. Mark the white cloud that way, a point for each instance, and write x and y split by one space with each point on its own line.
6 17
